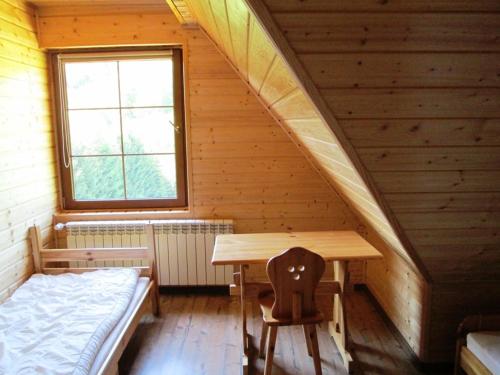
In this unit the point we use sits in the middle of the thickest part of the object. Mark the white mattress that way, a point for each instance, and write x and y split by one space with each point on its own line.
486 347
57 324
106 347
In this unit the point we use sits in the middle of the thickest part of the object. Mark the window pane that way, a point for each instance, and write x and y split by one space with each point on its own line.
98 178
145 83
148 130
92 84
150 176
95 132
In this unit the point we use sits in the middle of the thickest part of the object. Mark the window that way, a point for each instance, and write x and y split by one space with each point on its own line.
121 128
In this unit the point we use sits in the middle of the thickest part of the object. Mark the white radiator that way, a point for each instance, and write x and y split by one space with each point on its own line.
184 248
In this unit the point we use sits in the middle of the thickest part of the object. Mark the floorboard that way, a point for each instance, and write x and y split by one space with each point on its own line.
199 335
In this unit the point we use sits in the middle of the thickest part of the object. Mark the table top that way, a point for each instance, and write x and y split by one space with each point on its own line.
260 247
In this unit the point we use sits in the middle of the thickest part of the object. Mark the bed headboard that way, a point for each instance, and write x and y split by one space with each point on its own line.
55 261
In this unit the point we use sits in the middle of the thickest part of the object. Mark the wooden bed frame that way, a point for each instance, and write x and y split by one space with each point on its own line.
55 261
465 361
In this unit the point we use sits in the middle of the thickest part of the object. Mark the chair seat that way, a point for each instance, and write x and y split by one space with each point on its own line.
266 301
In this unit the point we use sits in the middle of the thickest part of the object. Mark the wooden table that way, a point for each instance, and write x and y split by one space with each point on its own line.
338 247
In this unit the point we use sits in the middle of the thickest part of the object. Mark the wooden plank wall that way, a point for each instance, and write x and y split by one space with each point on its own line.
403 294
242 164
415 85
236 32
28 185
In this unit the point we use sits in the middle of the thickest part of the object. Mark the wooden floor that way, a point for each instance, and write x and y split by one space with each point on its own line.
200 335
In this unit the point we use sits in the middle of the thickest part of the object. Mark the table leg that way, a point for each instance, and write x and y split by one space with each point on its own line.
244 359
338 327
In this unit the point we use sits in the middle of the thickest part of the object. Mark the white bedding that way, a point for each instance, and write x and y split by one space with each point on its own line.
486 347
107 346
57 324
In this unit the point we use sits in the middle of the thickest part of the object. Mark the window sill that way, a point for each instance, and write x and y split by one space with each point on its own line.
178 213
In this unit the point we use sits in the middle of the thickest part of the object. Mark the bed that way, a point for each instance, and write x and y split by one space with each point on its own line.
478 345
77 320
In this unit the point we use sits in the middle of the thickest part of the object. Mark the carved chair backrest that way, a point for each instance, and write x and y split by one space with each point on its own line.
294 275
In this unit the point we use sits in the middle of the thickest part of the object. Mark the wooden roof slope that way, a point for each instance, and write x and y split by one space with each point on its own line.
415 86
275 74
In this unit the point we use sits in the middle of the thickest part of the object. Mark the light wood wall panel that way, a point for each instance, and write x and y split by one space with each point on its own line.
415 87
61 3
87 30
242 164
403 294
28 184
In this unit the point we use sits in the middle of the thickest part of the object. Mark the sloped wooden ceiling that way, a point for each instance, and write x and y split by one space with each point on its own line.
239 35
415 86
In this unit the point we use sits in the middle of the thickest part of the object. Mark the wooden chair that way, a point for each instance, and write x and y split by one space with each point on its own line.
294 276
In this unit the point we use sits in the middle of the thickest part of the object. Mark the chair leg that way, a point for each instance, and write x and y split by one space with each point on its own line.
271 342
308 339
315 349
263 338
